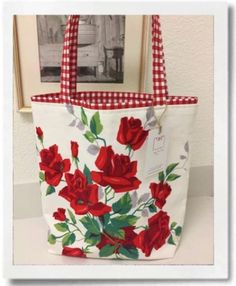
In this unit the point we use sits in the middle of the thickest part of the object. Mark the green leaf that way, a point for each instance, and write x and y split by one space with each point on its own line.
161 176
107 250
105 219
152 208
170 168
68 239
52 239
171 240
115 232
129 252
124 220
92 239
50 190
123 205
178 230
61 226
72 216
173 225
95 124
87 174
41 176
89 136
90 224
84 117
172 177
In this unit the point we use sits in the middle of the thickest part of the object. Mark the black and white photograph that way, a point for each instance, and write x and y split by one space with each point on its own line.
100 47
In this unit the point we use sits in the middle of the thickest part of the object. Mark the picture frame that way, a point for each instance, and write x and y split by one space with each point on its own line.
128 271
24 69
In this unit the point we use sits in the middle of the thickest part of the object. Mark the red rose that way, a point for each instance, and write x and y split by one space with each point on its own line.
60 214
53 165
74 149
117 171
156 234
39 132
76 252
160 192
131 133
83 197
127 242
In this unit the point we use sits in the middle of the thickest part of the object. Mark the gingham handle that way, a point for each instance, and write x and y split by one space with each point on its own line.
69 59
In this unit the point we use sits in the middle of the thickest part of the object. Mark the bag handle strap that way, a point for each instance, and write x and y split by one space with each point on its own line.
69 60
159 80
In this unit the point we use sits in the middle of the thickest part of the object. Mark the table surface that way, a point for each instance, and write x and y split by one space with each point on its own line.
196 245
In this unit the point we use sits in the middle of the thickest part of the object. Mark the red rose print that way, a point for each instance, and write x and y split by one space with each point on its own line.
53 165
39 132
71 251
74 149
131 133
60 214
127 242
156 234
160 192
83 197
117 171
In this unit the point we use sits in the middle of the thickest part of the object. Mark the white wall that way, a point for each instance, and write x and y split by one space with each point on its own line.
189 61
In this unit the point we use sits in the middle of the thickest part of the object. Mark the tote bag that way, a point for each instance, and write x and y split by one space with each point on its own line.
113 166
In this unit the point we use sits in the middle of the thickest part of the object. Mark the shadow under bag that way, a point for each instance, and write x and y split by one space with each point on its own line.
114 166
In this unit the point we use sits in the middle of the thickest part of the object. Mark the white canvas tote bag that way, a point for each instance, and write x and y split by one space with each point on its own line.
114 166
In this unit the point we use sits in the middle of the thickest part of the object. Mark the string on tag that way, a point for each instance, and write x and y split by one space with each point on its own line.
158 122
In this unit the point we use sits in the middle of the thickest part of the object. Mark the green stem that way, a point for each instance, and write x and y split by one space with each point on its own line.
65 234
111 214
76 227
90 215
103 140
130 150
107 236
138 209
111 198
143 206
76 163
61 235
41 141
140 227
108 189
86 249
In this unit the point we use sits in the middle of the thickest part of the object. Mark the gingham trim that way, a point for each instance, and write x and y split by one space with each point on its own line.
69 59
113 100
158 61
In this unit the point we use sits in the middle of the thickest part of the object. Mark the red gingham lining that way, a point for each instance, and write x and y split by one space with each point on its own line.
112 100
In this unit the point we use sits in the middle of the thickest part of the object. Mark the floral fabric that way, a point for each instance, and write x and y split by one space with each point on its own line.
109 210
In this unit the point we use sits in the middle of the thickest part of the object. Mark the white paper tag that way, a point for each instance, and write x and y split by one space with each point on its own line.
156 153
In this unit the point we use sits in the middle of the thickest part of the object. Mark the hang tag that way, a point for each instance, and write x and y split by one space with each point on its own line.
156 154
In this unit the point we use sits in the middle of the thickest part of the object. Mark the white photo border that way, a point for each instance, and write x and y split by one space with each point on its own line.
219 270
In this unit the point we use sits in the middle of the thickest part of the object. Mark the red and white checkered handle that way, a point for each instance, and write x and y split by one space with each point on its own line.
69 59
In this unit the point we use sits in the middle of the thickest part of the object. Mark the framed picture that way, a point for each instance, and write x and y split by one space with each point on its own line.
189 29
111 56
